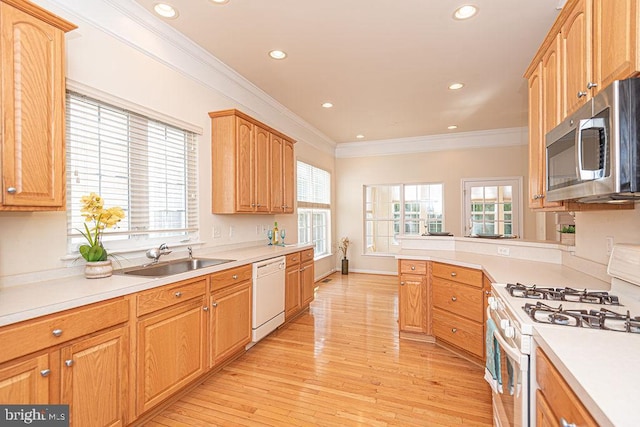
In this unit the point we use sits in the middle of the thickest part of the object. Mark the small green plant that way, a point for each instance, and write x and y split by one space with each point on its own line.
570 229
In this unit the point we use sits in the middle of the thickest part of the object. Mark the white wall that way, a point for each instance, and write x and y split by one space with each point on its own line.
448 167
131 59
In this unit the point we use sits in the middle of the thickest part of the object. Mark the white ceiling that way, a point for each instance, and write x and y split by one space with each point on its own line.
385 65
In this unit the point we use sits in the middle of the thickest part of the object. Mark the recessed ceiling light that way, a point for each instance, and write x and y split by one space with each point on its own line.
452 127
465 12
277 54
359 136
327 105
166 10
456 86
219 1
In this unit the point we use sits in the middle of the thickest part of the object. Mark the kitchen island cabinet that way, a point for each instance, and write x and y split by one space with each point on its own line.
252 166
32 128
414 296
307 277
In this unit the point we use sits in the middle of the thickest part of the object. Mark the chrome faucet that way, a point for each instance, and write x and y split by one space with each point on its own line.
156 253
190 252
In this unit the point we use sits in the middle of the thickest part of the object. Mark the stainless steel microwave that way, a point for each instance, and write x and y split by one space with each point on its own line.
594 154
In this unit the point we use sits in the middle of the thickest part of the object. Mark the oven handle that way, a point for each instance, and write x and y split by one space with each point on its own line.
513 352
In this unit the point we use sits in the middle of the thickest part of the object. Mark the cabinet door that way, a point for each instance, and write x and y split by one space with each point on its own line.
307 282
277 180
245 171
292 300
94 379
25 382
576 57
261 159
413 303
32 96
535 139
230 321
544 415
614 40
289 182
171 351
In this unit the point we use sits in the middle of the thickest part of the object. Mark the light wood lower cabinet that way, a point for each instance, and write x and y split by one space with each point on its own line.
171 342
292 287
556 403
414 297
65 358
307 277
230 321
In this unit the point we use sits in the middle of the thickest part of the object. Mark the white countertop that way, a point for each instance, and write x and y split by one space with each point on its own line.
27 301
600 366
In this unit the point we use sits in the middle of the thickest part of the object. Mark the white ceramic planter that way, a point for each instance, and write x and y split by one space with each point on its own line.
98 269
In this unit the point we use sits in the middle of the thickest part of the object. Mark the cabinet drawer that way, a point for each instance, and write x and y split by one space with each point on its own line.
413 267
34 335
466 275
306 255
166 296
459 299
294 259
231 276
458 331
563 401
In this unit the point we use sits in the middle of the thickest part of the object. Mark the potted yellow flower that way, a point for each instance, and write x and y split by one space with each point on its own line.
100 218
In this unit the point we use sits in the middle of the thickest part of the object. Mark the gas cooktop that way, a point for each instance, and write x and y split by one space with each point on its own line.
596 319
519 290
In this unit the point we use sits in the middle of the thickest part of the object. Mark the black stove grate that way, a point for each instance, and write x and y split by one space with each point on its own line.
595 319
519 290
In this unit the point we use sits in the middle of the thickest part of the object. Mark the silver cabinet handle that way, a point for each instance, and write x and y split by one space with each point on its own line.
45 372
214 304
582 94
487 292
454 299
564 423
454 330
178 294
69 363
591 85
205 308
234 277
401 283
12 190
413 267
56 332
253 205
454 274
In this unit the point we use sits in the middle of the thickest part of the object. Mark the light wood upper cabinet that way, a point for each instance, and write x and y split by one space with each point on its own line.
615 41
32 157
576 56
536 177
252 166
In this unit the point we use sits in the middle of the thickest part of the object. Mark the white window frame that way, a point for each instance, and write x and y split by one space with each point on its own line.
397 218
317 202
517 211
123 239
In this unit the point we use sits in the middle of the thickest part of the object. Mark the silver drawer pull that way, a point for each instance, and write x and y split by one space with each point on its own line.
413 267
401 283
582 94
454 330
591 85
12 190
69 363
178 294
45 372
564 423
234 277
214 304
205 308
454 274
454 299
56 332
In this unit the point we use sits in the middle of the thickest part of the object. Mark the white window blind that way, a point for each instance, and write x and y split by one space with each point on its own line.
146 167
314 186
314 208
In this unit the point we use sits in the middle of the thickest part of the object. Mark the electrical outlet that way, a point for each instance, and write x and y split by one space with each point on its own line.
215 233
503 251
609 244
231 230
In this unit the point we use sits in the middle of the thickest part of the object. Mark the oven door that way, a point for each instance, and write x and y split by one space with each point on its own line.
511 394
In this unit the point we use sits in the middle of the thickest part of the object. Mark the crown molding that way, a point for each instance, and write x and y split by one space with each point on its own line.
445 142
131 24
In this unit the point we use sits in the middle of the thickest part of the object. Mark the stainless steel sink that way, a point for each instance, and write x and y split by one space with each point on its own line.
168 268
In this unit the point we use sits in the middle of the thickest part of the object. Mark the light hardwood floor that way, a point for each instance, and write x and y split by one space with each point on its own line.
340 364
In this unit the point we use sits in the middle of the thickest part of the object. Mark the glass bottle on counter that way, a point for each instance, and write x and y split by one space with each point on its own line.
276 234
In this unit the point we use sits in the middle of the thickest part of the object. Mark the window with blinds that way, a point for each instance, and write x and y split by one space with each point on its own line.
314 208
146 167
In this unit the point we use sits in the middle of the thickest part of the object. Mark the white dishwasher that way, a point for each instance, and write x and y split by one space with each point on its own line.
268 297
